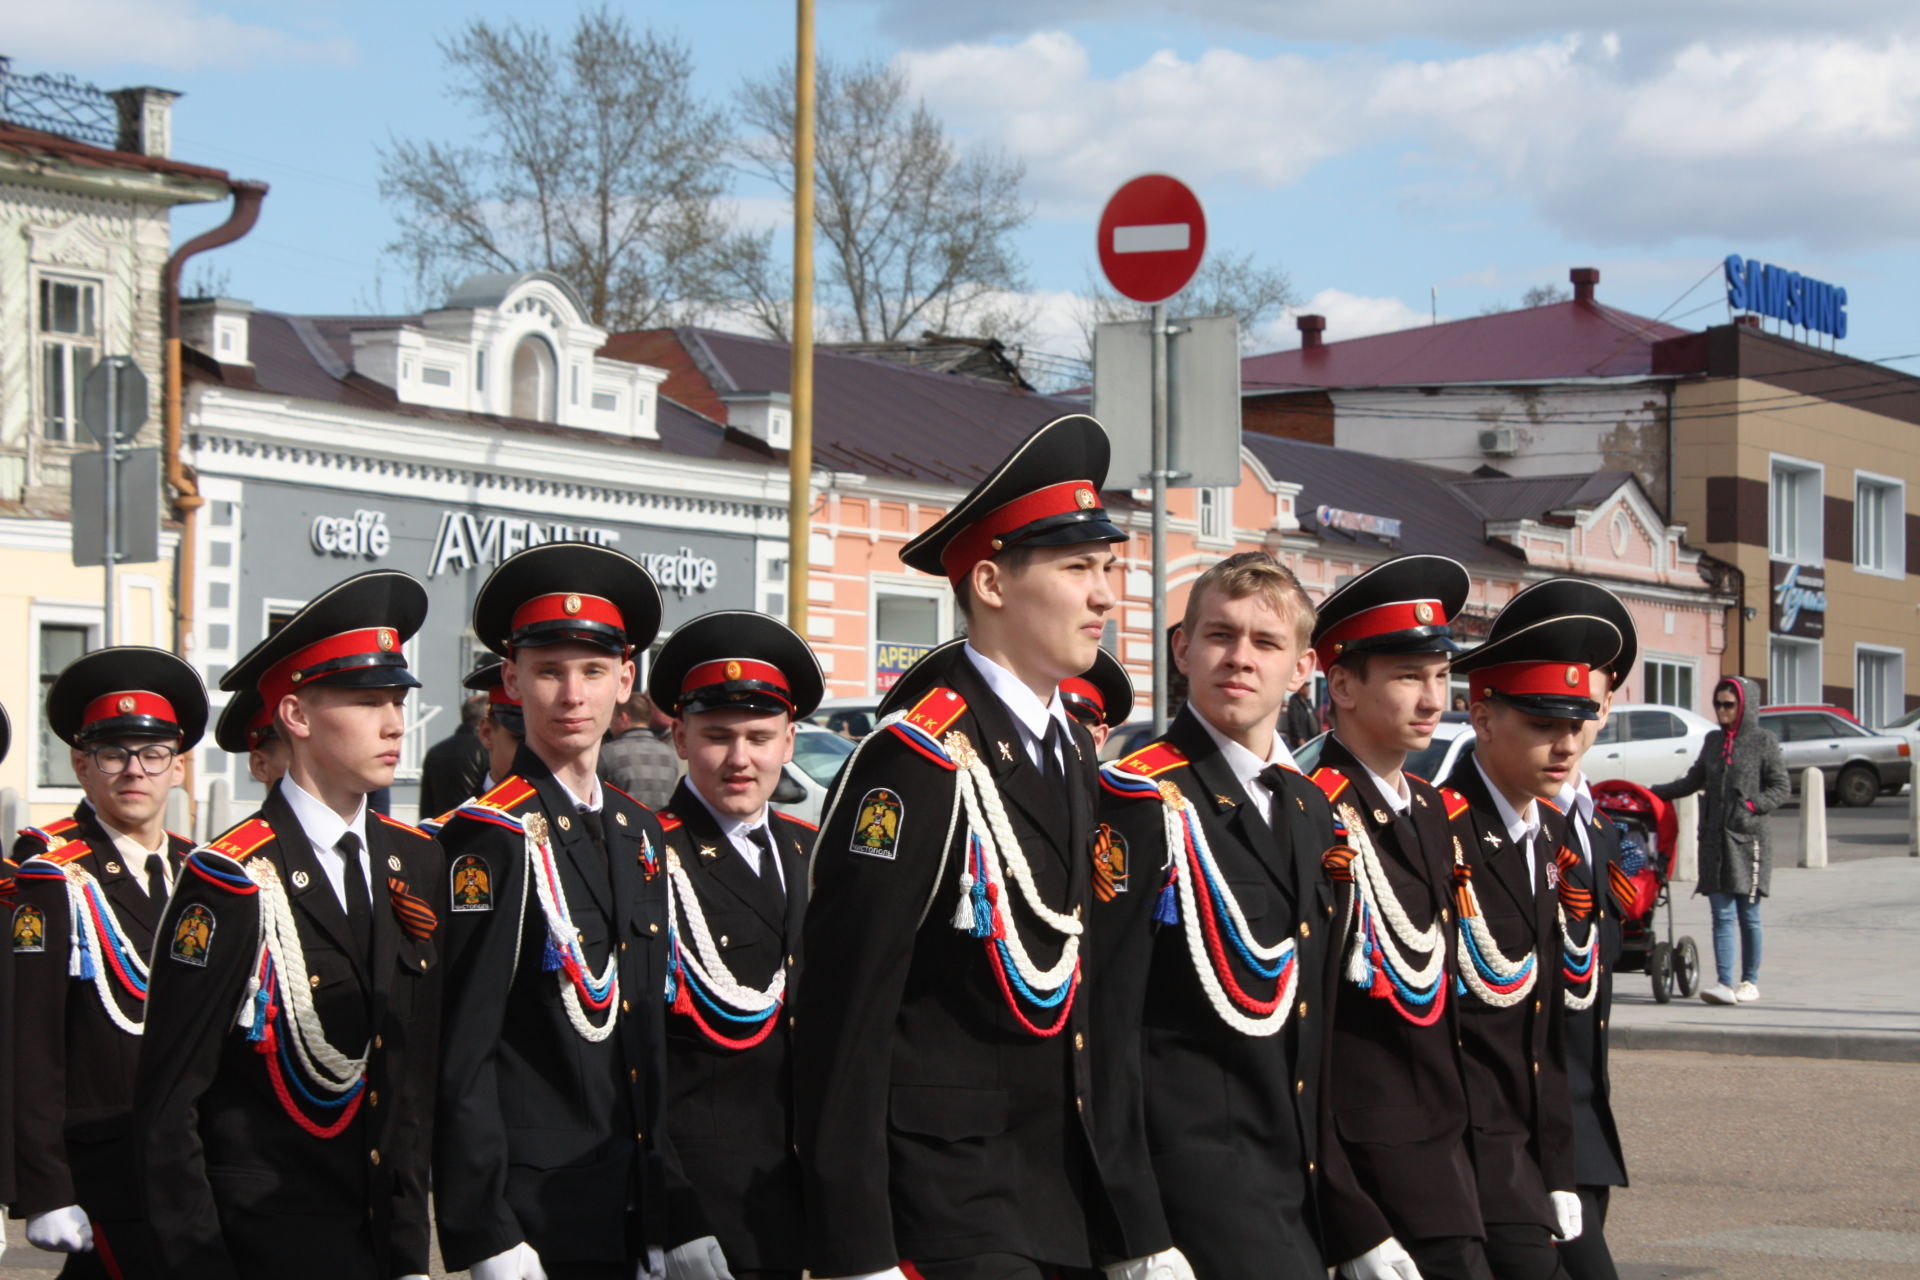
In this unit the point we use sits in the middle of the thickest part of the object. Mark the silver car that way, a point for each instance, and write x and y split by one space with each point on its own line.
1858 765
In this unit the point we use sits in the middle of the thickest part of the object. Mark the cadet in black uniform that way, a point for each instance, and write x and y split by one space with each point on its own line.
1396 1180
549 1156
1099 698
1588 875
101 879
944 1091
245 728
1210 944
6 1008
736 682
504 727
284 1099
1529 690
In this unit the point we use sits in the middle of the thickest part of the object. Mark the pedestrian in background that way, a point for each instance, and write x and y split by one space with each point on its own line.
638 757
457 764
1742 779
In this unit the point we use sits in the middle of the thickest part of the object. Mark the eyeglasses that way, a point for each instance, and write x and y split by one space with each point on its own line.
1724 706
154 759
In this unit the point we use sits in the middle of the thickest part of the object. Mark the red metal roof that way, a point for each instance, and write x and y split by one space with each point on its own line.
36 143
1562 340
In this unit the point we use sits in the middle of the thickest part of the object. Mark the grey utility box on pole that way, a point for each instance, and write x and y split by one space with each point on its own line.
1203 394
124 516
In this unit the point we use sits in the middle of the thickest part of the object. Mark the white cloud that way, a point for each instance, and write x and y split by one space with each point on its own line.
1349 315
78 36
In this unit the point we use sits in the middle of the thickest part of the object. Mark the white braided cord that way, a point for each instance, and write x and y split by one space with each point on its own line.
560 931
1473 923
1373 890
705 960
1580 952
987 821
323 1065
83 935
1176 821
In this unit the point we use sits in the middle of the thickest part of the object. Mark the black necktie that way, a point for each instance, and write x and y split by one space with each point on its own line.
157 878
769 870
1274 779
1053 757
359 900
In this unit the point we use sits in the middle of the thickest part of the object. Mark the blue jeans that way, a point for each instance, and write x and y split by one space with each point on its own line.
1725 907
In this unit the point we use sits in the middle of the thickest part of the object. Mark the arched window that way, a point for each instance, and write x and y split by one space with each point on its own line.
533 380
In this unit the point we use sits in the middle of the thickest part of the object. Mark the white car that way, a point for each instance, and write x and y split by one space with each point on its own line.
1432 763
852 718
1646 743
817 756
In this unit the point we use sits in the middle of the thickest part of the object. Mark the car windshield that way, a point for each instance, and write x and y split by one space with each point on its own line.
1426 762
820 755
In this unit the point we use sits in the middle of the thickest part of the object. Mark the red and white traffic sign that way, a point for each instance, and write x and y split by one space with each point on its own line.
1153 234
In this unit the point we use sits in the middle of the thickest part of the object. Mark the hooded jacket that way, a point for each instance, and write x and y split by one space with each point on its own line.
1741 778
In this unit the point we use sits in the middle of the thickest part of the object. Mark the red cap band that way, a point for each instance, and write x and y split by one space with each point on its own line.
260 724
728 670
1085 691
128 702
1381 620
977 541
567 606
287 675
1537 679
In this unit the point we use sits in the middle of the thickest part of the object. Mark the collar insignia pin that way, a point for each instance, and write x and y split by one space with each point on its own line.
1493 839
300 879
1225 802
1380 817
566 823
1006 752
620 818
113 868
708 851
393 862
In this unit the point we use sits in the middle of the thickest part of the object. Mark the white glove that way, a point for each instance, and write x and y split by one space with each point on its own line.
1385 1261
61 1230
698 1260
1566 1215
891 1273
415 1276
517 1263
1168 1264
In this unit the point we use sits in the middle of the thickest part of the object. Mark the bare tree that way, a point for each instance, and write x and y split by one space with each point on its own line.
592 160
1227 284
918 233
1539 295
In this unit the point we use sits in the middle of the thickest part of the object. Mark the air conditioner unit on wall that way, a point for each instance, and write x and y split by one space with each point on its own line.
1501 442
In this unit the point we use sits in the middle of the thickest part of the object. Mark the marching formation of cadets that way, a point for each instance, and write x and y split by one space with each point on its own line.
1006 1015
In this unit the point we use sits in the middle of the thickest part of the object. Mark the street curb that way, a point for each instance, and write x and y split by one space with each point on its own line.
1851 1046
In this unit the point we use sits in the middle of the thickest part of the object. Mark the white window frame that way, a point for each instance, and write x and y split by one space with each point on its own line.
1680 662
1896 705
42 339
888 584
770 593
1775 697
1893 523
41 614
1213 515
1807 543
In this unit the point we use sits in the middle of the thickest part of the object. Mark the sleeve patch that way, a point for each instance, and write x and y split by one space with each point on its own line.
1109 864
193 936
29 930
471 885
877 832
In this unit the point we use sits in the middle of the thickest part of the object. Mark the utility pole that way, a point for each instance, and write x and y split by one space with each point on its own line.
800 450
1160 478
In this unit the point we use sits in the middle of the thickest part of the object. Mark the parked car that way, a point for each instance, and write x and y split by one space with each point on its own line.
817 756
1908 727
852 718
1451 740
1857 765
1646 743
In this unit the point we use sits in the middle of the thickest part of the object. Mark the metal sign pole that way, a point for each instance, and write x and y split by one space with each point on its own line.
1160 672
111 444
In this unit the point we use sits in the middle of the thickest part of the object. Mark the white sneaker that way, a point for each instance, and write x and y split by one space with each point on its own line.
1718 993
1747 993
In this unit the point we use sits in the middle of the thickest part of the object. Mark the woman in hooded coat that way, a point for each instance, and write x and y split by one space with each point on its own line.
1742 779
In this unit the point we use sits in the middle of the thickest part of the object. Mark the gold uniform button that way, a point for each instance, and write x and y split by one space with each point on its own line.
633 1075
423 964
792 1021
724 940
1536 1068
1306 929
1299 1087
1603 1024
1079 1104
1444 916
378 1043
1303 1009
653 928
639 1137
791 961
626 1006
1536 1006
313 979
1079 1040
373 1097
623 946
374 1155
1311 1166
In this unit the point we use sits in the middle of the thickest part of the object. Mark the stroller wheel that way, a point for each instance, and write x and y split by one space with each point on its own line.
1660 970
1686 968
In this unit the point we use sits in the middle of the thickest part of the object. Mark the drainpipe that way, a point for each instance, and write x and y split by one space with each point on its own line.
247 196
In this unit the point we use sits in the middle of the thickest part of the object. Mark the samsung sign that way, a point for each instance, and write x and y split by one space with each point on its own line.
1787 296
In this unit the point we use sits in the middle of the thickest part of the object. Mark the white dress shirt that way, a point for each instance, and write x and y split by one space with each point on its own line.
1521 826
739 833
1576 801
1247 767
1399 799
594 801
136 857
324 828
1029 713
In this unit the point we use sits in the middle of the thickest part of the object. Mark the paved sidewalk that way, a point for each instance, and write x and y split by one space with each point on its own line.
1840 973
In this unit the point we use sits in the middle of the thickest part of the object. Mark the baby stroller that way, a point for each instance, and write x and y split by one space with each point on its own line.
1649 825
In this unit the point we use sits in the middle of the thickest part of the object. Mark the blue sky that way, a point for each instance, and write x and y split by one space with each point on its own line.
1375 149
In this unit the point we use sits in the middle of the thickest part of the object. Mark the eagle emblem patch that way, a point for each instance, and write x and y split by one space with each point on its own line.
1109 864
878 829
193 936
29 930
472 884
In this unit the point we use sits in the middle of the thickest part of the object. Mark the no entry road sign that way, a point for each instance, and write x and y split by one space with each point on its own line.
1153 234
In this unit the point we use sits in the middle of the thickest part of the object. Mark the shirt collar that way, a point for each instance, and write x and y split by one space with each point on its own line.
1399 799
1028 711
592 803
1576 800
730 826
323 826
1519 829
1242 763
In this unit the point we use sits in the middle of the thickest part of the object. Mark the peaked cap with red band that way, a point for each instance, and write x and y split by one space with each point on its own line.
736 659
245 722
1103 694
1559 597
1402 606
1046 494
505 711
1543 668
129 691
350 636
567 592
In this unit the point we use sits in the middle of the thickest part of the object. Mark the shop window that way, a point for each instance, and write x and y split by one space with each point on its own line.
1669 683
1879 525
69 326
1793 671
61 643
1879 686
533 380
1794 526
906 623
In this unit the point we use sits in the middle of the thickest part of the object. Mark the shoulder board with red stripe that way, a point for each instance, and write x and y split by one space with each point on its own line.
1153 760
53 835
407 827
1331 783
934 714
1455 802
241 842
509 795
1551 805
798 822
65 852
669 820
617 791
1417 778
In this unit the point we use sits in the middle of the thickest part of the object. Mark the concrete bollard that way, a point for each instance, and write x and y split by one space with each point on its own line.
1686 858
13 815
218 808
1913 817
179 812
1813 818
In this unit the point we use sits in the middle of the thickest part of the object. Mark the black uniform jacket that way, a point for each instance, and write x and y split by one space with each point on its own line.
731 1109
1224 1142
1522 1137
1393 1150
233 1184
6 1020
73 1064
932 1124
1598 1159
544 1136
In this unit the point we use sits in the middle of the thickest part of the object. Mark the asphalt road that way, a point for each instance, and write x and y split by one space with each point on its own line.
1877 831
1756 1168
